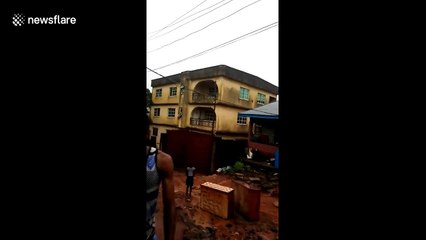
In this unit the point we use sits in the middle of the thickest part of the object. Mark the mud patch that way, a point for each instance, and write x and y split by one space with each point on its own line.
195 223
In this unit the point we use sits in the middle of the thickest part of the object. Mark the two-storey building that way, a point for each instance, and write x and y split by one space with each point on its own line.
208 101
205 102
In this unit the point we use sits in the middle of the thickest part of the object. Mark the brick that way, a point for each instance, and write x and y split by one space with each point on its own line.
217 199
247 200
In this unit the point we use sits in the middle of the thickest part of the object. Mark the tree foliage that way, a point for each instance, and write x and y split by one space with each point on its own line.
148 98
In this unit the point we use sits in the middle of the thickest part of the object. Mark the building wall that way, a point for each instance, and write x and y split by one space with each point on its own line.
230 103
229 92
227 120
166 98
164 118
161 129
163 103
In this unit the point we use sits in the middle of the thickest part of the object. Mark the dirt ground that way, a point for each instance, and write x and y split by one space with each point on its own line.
195 223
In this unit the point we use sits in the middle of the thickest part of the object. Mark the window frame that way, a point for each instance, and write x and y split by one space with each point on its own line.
175 91
241 122
258 98
247 94
155 113
159 92
168 112
210 116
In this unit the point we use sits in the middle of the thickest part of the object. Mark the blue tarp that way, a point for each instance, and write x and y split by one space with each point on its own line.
276 162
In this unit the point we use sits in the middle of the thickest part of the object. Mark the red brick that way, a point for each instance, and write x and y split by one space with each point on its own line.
247 200
217 199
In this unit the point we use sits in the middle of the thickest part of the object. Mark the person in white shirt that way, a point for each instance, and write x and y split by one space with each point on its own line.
189 180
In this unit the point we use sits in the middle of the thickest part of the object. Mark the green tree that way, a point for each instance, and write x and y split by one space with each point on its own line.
148 98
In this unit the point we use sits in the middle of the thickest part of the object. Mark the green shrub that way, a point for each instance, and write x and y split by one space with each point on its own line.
238 166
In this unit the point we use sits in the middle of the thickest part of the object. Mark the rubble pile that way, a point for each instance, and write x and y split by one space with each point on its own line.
266 181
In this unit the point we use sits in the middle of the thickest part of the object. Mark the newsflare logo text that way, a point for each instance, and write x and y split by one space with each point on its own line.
19 19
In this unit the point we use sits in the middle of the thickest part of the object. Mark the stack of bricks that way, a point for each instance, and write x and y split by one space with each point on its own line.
217 199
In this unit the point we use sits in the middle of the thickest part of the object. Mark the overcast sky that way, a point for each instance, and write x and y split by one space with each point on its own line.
242 34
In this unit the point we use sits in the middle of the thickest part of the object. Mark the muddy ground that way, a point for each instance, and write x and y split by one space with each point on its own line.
195 223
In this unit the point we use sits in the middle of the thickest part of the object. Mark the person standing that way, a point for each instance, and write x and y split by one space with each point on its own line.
189 180
159 170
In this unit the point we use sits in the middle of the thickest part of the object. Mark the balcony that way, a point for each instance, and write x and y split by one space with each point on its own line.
202 98
202 122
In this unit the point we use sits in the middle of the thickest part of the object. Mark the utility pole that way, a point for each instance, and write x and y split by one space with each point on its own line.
213 157
214 108
183 103
214 111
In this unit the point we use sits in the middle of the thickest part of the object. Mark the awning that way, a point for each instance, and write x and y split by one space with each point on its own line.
269 111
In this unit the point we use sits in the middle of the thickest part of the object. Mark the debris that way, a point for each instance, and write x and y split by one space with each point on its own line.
274 228
273 178
205 233
198 224
275 203
273 192
254 179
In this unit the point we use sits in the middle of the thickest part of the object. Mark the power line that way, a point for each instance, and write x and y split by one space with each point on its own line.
189 17
157 73
208 25
224 44
152 38
172 23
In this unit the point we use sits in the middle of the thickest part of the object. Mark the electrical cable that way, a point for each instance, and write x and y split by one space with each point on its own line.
223 44
172 23
152 38
208 25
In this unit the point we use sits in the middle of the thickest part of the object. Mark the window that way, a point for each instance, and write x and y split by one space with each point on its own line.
257 130
173 91
156 112
242 120
261 98
155 131
210 116
272 99
172 112
212 91
244 93
158 92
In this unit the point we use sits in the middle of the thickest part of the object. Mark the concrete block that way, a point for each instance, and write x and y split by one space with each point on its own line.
247 200
217 199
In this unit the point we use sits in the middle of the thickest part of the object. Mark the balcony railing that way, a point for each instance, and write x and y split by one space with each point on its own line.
202 122
202 98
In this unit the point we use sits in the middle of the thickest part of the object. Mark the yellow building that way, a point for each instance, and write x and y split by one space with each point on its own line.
208 101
